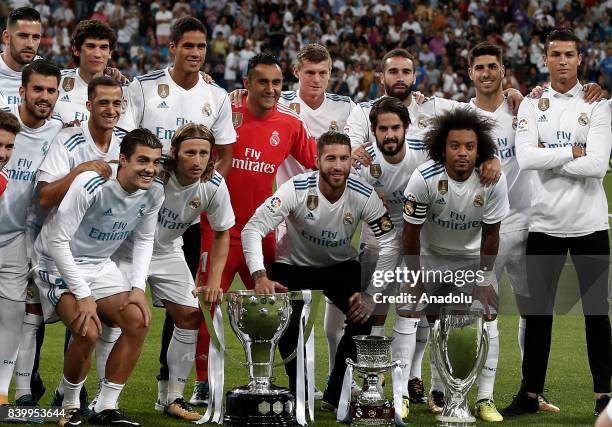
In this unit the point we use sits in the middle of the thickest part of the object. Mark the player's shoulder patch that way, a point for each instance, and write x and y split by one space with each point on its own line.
216 179
68 72
154 75
92 182
288 95
119 133
305 181
337 98
431 168
359 186
57 120
72 137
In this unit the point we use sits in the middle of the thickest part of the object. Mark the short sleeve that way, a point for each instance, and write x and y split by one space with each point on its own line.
416 199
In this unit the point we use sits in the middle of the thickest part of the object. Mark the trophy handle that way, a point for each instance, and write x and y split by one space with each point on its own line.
208 320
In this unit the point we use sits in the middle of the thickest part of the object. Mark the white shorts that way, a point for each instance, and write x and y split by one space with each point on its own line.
14 270
104 280
512 257
170 279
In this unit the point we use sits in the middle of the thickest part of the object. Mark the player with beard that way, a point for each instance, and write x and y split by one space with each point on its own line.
9 128
38 93
322 210
21 39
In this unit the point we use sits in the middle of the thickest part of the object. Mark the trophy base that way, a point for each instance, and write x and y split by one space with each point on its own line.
455 421
370 415
243 408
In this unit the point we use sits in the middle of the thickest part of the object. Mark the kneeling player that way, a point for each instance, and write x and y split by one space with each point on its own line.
191 186
460 219
81 283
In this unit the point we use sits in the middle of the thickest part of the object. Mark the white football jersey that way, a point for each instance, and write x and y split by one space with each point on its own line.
519 181
319 233
72 97
182 207
95 217
568 194
31 146
389 181
156 102
73 146
331 115
10 82
452 211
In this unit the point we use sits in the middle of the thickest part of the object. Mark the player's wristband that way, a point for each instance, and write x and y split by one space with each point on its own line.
487 276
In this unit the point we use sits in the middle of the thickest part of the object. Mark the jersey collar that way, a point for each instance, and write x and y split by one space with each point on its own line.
573 92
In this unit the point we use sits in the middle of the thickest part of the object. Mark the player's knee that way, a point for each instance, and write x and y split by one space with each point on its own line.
134 321
188 318
89 339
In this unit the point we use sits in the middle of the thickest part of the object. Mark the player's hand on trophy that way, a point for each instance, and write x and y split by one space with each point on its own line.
514 97
116 75
360 156
359 311
99 166
86 311
419 97
138 297
212 294
490 171
263 285
593 93
236 97
488 298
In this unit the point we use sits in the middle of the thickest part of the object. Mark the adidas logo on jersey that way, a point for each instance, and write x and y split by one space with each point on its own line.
65 98
309 217
163 105
109 212
441 201
542 119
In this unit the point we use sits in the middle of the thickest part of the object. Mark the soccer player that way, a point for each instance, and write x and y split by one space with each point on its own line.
567 142
191 186
456 216
322 210
92 45
9 128
267 134
89 147
38 93
20 39
81 285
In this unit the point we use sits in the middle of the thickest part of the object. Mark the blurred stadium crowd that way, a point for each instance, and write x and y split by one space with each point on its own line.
356 32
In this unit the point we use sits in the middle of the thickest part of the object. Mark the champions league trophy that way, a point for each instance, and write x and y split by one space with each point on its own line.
461 345
372 408
259 321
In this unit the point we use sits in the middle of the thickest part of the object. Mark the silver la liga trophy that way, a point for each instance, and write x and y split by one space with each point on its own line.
372 408
461 345
259 321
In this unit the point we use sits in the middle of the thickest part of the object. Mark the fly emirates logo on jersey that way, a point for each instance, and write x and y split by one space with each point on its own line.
169 219
164 133
252 161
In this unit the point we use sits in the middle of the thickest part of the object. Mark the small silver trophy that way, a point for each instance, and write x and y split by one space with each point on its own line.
461 345
372 408
259 321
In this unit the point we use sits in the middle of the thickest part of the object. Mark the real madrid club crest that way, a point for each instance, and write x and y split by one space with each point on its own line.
478 201
195 203
514 122
409 204
333 126
422 122
375 170
236 119
163 90
295 106
443 186
68 84
348 218
45 148
141 210
583 119
206 110
385 224
312 202
274 139
543 104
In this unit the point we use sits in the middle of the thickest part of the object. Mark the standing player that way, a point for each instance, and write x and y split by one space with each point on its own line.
322 210
20 39
39 92
567 141
267 134
456 216
81 285
9 128
191 186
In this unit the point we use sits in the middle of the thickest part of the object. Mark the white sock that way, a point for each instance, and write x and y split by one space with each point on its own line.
11 323
436 382
104 345
422 336
162 392
378 331
402 347
181 354
109 395
60 387
26 354
486 379
521 335
334 328
71 394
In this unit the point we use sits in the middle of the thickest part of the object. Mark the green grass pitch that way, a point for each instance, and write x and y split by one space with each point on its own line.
568 383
